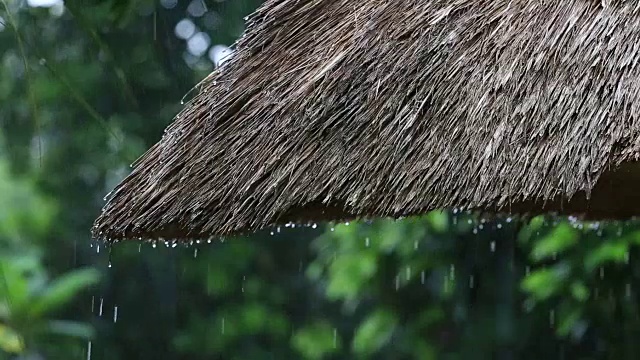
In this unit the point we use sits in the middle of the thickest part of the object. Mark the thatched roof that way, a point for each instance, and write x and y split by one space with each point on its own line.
333 109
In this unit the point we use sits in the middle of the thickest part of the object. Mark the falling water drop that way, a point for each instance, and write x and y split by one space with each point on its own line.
100 308
452 272
415 245
93 303
366 242
471 284
493 246
98 249
222 326
422 277
244 278
89 350
195 253
335 338
139 247
408 273
115 314
552 317
397 282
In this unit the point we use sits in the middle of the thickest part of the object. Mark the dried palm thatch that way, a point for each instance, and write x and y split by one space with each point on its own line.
335 109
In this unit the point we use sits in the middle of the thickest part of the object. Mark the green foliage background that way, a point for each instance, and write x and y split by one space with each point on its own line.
86 87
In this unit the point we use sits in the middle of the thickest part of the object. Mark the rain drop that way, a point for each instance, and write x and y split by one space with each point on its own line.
89 350
115 314
471 284
195 253
100 308
367 242
335 338
493 246
408 273
422 277
552 317
222 326
397 283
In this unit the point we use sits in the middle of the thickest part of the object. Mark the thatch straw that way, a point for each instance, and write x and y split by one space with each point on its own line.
335 109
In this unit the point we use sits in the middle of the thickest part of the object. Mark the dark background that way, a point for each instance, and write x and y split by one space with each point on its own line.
86 87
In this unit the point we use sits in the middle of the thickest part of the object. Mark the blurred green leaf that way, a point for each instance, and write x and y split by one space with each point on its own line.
607 252
317 340
63 289
579 291
558 240
439 220
349 273
13 285
10 341
71 328
568 319
374 332
544 283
